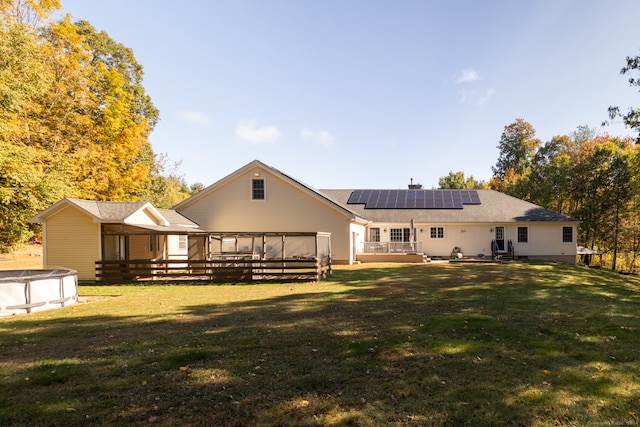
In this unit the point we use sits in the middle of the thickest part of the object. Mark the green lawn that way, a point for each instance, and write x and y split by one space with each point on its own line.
435 344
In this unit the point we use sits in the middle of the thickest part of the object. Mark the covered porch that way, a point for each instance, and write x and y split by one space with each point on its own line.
213 257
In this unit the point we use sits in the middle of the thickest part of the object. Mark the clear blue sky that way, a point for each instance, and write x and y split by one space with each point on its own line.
368 93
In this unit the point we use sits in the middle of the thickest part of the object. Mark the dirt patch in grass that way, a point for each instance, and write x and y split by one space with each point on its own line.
25 257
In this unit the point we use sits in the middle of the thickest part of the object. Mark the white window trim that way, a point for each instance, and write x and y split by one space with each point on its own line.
573 235
402 234
444 232
528 235
183 244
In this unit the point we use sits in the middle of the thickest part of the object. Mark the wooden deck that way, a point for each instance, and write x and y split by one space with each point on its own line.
487 260
228 270
392 257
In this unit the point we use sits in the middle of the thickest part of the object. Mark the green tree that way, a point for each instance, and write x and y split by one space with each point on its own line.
604 192
29 183
168 186
457 180
631 118
517 147
21 73
550 174
29 178
74 118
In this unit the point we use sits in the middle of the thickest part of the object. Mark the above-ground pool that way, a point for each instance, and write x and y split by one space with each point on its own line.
27 291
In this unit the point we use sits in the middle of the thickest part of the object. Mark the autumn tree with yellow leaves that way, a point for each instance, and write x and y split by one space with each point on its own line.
74 119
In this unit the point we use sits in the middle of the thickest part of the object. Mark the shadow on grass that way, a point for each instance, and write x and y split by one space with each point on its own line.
516 344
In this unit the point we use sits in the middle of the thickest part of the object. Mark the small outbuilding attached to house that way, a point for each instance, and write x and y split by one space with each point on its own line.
76 233
120 241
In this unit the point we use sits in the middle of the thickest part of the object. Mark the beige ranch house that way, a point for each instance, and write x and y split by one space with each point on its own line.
363 224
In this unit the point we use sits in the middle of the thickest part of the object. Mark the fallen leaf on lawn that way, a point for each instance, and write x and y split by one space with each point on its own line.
184 368
302 403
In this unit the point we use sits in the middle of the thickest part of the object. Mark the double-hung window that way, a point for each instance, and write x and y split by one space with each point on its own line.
523 234
567 234
182 242
257 189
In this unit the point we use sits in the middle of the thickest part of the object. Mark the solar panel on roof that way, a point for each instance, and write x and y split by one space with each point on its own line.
414 199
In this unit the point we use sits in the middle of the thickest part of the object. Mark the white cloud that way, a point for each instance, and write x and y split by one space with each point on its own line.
249 130
320 137
468 75
486 96
474 97
194 117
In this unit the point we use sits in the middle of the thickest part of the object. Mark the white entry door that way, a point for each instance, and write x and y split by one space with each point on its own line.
500 238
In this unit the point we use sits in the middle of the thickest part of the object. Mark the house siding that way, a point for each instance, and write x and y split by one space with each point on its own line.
72 239
139 247
544 240
173 248
142 217
472 239
285 208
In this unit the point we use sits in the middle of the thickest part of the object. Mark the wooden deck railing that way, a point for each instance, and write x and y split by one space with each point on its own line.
228 269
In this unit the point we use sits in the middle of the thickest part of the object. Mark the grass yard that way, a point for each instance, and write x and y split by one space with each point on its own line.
516 344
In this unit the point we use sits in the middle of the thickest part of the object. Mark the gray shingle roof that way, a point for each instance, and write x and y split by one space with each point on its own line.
494 207
108 211
118 212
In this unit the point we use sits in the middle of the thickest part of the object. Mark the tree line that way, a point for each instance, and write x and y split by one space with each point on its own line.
593 178
74 120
